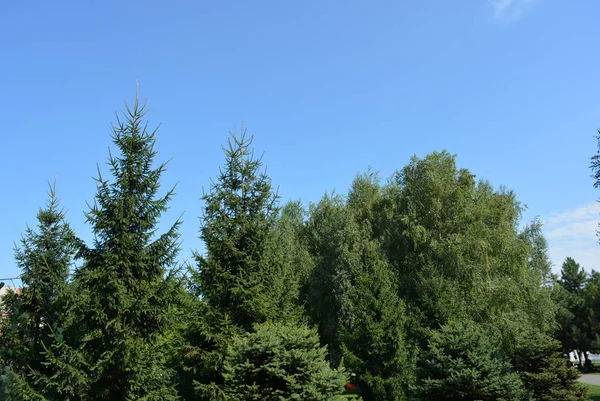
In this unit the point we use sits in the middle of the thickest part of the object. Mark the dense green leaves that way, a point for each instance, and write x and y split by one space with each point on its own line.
240 211
278 363
462 363
545 374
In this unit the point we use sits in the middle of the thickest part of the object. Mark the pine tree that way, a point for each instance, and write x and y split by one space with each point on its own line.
41 311
238 279
241 208
124 307
575 327
545 374
281 362
462 363
45 259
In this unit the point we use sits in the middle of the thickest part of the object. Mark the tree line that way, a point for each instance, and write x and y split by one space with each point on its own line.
422 287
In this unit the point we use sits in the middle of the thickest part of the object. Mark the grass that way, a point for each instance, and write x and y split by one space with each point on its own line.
593 391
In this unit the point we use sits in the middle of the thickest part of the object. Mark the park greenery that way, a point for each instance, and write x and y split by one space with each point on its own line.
425 286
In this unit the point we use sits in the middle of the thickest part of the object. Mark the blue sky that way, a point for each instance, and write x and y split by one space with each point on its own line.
326 87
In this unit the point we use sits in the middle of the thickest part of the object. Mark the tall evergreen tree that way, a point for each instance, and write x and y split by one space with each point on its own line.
353 295
45 258
332 234
291 263
42 308
239 279
124 298
241 209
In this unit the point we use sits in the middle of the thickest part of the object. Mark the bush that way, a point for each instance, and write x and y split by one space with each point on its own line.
545 373
281 362
461 363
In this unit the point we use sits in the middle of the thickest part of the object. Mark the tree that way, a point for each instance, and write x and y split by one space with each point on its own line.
462 363
539 261
455 248
240 212
544 372
574 331
353 295
595 165
42 308
374 342
280 362
331 233
291 263
244 278
123 306
45 259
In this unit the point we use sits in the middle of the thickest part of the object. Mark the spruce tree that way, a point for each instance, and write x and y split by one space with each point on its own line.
124 307
238 279
574 331
462 363
281 362
545 374
234 275
41 310
45 258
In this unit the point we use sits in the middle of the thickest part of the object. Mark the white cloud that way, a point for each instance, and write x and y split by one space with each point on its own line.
573 233
510 10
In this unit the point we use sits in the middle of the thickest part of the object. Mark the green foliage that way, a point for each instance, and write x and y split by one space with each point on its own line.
280 362
545 374
45 258
431 265
574 331
456 250
374 343
239 214
291 264
330 236
462 363
123 303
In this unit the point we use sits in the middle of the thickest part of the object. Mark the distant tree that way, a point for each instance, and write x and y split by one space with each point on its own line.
280 362
573 331
462 363
591 296
595 165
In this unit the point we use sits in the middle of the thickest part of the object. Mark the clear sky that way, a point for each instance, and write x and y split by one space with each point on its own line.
326 87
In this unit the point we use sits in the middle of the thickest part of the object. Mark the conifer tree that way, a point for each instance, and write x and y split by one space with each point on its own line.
462 363
573 318
42 308
241 208
281 362
239 278
545 374
45 258
124 307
